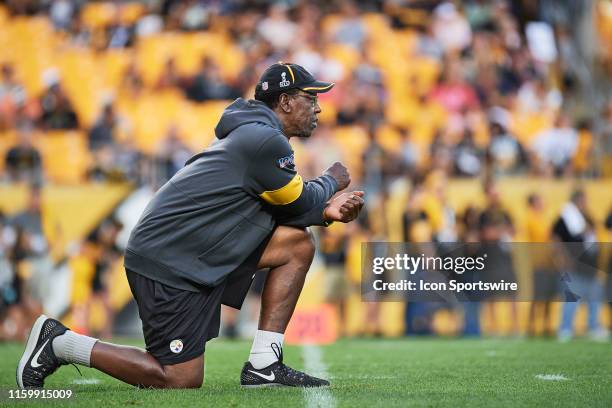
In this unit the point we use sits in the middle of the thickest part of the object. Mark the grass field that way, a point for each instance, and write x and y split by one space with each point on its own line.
369 373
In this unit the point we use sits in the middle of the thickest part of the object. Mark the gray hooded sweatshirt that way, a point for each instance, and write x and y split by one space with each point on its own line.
204 222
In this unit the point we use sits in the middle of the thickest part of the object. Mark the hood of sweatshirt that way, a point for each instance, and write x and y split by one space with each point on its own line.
242 112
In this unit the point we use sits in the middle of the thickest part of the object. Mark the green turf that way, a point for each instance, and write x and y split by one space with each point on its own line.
368 373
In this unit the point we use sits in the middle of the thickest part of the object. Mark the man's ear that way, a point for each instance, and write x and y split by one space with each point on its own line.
283 103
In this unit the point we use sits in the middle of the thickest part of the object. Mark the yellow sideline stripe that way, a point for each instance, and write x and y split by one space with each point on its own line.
319 88
291 72
286 194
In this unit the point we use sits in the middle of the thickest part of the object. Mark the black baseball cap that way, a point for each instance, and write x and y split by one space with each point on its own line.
283 76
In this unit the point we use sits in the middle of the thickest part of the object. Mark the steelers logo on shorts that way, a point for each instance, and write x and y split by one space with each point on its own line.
176 346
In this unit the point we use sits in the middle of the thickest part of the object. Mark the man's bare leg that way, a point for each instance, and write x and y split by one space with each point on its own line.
50 344
288 255
137 367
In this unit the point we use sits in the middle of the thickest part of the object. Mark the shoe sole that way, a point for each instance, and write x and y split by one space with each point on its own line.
30 346
264 385
278 385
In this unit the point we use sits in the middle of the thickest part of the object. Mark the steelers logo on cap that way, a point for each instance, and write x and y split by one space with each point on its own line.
176 346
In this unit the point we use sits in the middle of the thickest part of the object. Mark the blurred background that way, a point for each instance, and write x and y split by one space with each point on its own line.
464 121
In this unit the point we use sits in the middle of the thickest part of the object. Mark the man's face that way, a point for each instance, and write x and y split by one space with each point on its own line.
303 115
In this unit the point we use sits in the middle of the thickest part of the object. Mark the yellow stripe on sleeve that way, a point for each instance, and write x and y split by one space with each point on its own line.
286 194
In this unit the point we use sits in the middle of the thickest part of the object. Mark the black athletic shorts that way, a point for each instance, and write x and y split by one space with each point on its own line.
177 323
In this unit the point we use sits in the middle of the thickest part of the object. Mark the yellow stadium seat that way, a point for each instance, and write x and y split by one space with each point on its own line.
196 122
377 24
401 110
414 17
98 14
192 47
151 115
527 125
151 55
112 65
346 55
83 80
330 23
131 12
328 112
480 126
187 50
406 40
36 42
426 71
431 117
355 140
389 139
83 271
65 155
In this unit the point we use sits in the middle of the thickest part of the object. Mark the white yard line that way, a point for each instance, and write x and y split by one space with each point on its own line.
86 381
314 365
551 377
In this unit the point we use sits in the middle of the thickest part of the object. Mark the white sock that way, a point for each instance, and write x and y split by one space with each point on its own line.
262 354
75 348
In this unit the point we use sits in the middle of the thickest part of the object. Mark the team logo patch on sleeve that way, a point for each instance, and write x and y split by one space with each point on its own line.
285 162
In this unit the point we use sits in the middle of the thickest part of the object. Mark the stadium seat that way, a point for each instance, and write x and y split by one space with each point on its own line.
83 80
131 12
528 124
65 156
35 53
377 24
188 50
355 140
196 122
329 111
111 65
98 14
329 24
389 139
346 55
151 115
151 55
401 110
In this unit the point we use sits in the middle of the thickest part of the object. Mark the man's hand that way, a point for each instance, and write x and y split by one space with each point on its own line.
341 174
345 207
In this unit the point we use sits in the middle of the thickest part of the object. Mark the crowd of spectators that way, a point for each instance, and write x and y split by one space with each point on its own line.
465 116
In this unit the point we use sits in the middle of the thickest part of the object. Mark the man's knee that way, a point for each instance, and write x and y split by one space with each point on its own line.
288 245
184 375
303 244
184 380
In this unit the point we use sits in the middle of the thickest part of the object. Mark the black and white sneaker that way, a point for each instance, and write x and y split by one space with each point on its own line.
277 374
38 360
